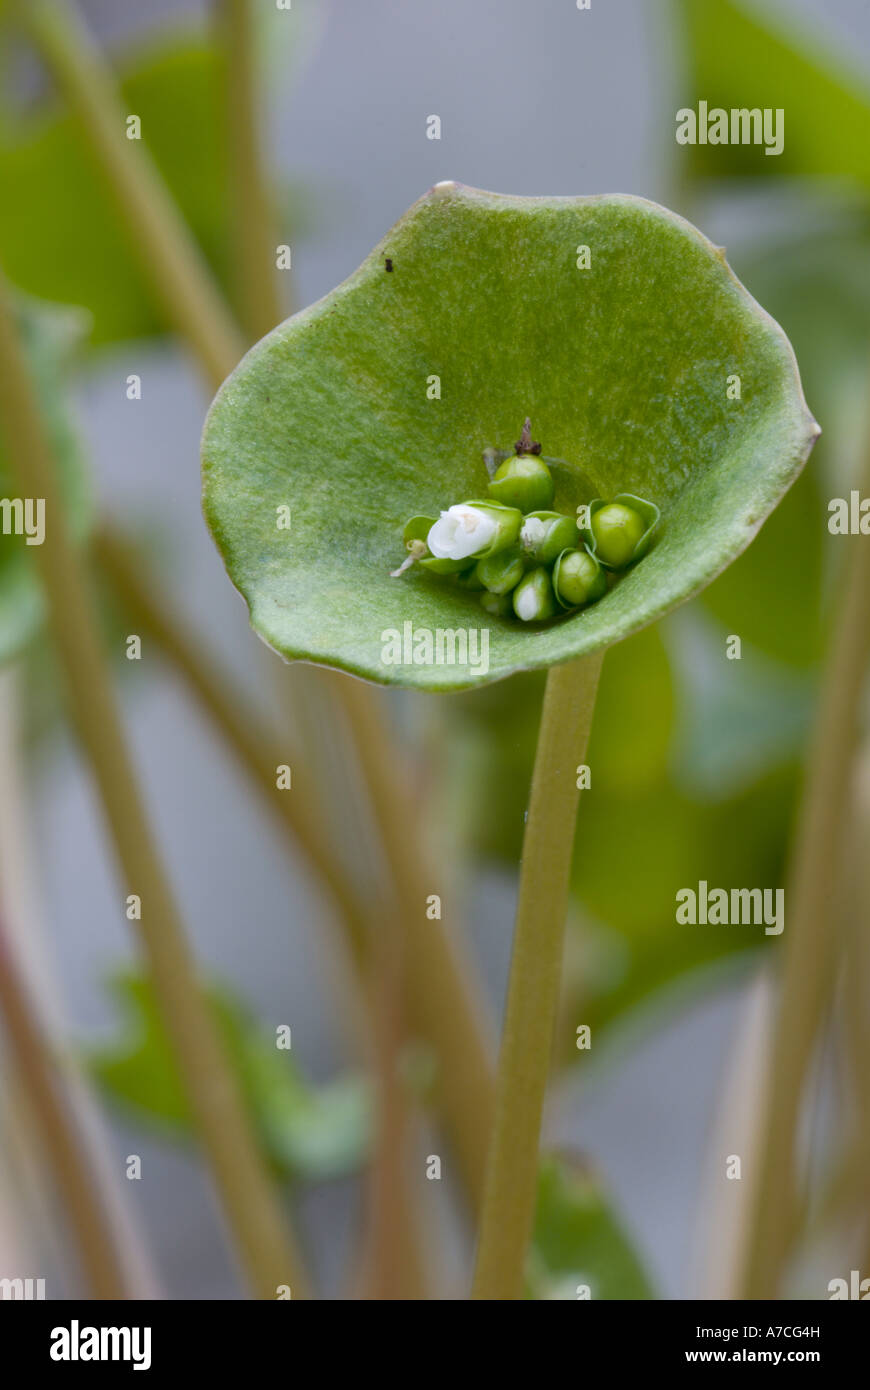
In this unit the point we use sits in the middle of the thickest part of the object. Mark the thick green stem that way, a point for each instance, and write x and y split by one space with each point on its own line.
251 1206
810 939
157 233
533 989
251 209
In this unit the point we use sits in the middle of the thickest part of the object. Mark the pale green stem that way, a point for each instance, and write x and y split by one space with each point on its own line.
443 1004
251 205
240 727
533 989
810 939
83 1207
158 235
25 934
253 1211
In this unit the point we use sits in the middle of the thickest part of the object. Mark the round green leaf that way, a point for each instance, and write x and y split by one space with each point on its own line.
623 368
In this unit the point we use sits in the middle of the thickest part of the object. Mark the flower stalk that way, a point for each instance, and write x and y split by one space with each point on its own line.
533 989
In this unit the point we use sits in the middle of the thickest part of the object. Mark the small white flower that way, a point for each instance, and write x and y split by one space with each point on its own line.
527 604
533 532
461 532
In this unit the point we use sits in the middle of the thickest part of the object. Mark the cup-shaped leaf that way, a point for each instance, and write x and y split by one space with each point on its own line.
646 369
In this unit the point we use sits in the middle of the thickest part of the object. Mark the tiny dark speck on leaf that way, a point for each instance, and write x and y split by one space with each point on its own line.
388 264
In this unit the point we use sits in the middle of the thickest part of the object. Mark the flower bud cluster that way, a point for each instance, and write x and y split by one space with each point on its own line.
527 561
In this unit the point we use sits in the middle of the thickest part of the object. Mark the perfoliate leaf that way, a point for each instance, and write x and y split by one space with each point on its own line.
624 368
578 1242
310 1133
48 335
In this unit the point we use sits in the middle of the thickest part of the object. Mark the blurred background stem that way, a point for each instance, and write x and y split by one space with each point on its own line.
811 938
533 988
252 212
239 726
394 1266
158 234
83 1207
443 1002
23 922
253 1211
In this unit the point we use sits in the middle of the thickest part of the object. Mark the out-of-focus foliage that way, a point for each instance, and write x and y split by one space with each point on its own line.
49 334
50 186
819 288
813 276
309 1132
787 623
50 181
578 1239
739 56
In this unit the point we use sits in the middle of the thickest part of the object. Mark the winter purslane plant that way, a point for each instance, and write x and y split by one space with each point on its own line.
372 406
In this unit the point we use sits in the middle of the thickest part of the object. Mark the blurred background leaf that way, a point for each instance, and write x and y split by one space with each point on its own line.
48 182
310 1133
579 1240
739 56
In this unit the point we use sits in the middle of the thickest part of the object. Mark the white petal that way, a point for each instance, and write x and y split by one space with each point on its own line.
533 532
527 604
460 533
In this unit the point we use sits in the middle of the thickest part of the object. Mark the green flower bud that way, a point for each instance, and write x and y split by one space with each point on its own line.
501 572
578 579
497 605
617 530
620 532
417 528
533 597
544 535
524 481
414 535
